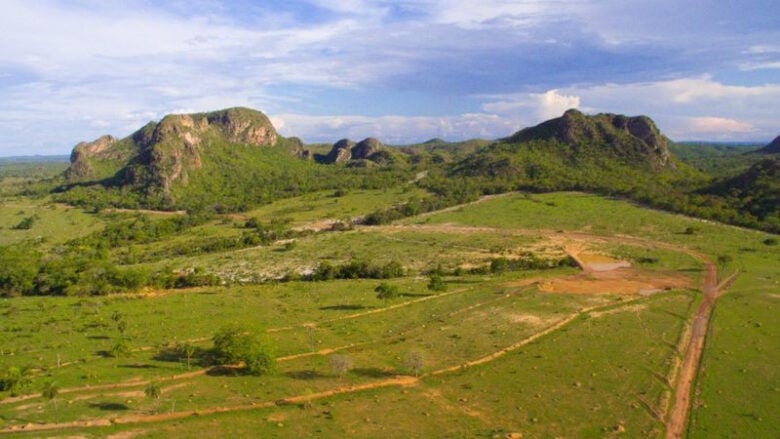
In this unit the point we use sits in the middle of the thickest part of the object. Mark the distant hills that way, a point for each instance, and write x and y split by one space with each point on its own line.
233 159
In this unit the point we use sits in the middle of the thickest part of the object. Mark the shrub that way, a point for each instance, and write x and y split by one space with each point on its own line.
436 283
232 345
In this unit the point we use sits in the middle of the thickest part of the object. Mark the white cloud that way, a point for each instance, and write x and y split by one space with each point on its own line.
394 129
553 104
718 126
686 108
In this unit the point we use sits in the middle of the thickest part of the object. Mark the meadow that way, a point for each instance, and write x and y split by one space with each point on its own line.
495 354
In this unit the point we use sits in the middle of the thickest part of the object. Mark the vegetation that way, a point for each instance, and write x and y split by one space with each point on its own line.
241 318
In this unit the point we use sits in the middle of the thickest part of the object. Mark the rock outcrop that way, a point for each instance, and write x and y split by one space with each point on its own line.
346 150
634 139
341 151
164 153
82 154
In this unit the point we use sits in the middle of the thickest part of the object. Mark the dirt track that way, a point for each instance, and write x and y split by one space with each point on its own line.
676 419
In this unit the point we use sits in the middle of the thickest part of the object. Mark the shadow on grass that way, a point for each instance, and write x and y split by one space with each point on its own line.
415 295
138 366
229 371
108 406
305 375
344 307
373 372
98 337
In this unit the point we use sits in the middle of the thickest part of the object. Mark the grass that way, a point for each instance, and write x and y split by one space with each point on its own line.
53 223
602 373
331 205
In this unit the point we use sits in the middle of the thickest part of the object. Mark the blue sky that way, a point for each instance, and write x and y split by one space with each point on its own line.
404 71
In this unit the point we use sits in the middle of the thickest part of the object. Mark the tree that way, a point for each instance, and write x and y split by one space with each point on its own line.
120 349
153 390
232 345
188 349
414 361
260 360
385 291
49 392
340 364
436 283
499 265
14 379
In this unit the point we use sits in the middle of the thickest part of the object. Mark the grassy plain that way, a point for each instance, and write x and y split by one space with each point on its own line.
498 355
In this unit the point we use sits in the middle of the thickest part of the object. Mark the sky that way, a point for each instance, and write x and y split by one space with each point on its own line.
403 71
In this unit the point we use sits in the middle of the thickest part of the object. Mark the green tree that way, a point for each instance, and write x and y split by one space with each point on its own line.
436 283
233 345
153 391
14 379
49 392
385 291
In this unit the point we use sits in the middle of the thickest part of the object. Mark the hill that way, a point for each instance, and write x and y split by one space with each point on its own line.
755 192
716 159
605 153
226 160
772 148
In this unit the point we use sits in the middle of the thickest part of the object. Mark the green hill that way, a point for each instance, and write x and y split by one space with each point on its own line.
605 153
755 192
226 160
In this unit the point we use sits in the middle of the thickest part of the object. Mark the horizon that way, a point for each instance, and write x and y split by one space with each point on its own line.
403 72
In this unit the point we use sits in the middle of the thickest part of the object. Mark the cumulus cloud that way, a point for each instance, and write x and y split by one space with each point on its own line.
553 104
395 129
87 67
718 126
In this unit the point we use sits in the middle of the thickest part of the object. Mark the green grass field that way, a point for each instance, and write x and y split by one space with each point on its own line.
494 354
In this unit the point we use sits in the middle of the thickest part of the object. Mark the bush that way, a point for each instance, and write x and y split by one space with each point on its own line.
436 283
232 345
25 224
385 291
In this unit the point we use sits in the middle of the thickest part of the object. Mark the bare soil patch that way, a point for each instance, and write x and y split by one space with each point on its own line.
624 281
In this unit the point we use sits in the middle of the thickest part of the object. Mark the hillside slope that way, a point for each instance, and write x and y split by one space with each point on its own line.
605 152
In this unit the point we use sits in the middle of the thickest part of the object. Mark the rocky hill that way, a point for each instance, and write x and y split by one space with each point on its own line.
772 148
605 153
634 140
346 150
165 152
183 150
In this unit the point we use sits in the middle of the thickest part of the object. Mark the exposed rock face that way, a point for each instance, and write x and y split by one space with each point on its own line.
772 148
635 139
242 125
80 166
365 148
341 151
163 153
345 150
